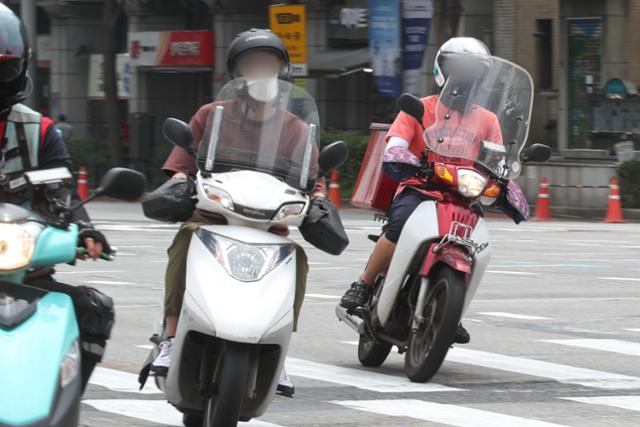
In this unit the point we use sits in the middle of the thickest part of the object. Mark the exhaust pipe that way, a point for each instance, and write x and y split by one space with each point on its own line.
353 322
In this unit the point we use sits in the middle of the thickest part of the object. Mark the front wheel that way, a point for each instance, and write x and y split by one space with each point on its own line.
442 311
223 408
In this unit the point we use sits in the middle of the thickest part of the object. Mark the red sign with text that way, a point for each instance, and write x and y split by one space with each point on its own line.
172 48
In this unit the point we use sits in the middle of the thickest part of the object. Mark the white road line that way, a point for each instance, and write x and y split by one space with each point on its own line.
512 316
108 282
145 346
613 346
513 273
323 296
620 279
155 411
633 329
452 415
89 272
122 381
562 373
623 402
359 378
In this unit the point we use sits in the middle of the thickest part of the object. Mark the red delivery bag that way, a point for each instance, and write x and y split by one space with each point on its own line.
374 190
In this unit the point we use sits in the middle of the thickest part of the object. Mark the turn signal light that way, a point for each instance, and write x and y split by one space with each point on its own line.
443 173
492 191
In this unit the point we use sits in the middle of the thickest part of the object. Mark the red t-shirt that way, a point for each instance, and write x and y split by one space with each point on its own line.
462 134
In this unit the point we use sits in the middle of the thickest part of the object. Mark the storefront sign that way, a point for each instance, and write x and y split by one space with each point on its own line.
172 48
416 20
96 76
290 24
384 45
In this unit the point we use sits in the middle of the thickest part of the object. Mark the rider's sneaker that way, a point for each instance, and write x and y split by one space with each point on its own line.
356 296
285 386
462 335
160 365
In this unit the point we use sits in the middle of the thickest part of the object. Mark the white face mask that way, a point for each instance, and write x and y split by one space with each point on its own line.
264 89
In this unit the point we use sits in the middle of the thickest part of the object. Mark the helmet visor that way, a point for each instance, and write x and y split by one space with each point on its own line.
12 47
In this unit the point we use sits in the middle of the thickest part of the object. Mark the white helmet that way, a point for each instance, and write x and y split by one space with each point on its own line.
457 46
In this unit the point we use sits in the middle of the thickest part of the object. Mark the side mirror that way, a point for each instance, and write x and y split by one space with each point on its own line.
123 184
179 134
333 156
411 105
536 153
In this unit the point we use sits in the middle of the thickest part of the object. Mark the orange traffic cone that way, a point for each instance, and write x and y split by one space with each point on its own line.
334 190
614 209
543 212
83 183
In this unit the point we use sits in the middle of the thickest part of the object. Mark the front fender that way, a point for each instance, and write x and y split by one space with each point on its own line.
456 257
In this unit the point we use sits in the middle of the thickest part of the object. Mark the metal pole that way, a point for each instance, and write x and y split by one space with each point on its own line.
28 15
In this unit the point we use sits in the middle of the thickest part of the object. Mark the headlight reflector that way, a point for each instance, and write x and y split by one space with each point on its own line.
16 246
70 366
291 209
219 196
470 183
245 262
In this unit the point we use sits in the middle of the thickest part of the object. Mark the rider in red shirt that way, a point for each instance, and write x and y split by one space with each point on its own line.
460 55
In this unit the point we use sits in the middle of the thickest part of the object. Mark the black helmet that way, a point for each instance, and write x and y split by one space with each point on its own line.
258 39
14 58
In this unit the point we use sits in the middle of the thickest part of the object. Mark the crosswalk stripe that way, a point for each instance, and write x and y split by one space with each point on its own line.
359 378
452 415
613 346
155 411
116 380
623 402
562 373
512 316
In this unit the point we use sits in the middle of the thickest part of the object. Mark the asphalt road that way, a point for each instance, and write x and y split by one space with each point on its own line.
555 334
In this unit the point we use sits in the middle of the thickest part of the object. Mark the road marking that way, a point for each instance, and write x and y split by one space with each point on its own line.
89 272
623 402
633 329
359 378
155 411
108 282
122 381
513 273
323 296
613 346
512 316
562 373
621 279
452 415
145 346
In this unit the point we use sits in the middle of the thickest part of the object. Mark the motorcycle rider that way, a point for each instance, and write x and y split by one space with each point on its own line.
253 54
462 56
29 141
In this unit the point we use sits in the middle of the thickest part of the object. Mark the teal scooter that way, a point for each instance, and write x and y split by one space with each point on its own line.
40 358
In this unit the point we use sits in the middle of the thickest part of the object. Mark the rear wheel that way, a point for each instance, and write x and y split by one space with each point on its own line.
442 311
372 354
191 420
223 408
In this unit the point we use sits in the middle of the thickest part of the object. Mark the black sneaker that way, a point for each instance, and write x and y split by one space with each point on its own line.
356 296
462 335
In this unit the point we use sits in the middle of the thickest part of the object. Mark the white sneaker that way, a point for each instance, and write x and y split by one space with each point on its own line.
285 386
160 366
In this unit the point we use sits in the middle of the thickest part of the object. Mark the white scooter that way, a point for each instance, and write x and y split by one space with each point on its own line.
444 248
258 162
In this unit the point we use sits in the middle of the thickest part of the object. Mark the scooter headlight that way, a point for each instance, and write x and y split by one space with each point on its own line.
470 183
17 243
70 366
245 262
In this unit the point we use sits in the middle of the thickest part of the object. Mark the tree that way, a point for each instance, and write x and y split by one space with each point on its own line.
113 10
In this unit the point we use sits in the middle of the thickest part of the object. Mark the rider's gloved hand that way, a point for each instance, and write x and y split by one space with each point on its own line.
94 241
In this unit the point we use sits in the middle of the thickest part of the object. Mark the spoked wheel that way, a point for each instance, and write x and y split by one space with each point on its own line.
223 408
372 354
442 311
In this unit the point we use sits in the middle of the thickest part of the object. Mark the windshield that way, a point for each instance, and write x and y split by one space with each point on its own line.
483 115
264 125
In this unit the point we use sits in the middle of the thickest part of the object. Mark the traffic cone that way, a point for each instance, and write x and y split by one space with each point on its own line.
543 212
334 190
614 209
83 183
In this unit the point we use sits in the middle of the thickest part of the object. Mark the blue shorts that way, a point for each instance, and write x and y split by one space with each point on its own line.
401 209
